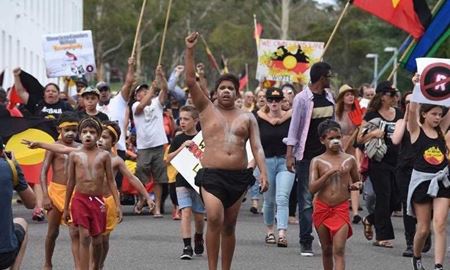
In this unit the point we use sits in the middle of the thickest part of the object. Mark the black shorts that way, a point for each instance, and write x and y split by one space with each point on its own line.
227 185
420 193
7 259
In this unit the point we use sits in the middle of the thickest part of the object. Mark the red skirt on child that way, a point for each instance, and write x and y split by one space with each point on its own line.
332 217
89 212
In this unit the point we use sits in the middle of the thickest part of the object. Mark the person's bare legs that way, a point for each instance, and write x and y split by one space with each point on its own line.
199 223
423 215
339 240
39 196
75 237
228 233
85 242
354 195
105 249
215 213
157 188
54 221
326 244
440 214
97 251
186 214
23 246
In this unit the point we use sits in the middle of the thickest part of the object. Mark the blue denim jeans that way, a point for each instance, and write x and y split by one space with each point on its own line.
304 198
280 186
254 190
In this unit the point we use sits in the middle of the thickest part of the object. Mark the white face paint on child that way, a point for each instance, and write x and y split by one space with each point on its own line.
335 142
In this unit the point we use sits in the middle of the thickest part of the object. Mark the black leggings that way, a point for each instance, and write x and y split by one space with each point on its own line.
173 193
387 195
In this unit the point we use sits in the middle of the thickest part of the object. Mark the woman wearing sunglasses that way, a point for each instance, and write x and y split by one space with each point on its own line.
274 126
382 172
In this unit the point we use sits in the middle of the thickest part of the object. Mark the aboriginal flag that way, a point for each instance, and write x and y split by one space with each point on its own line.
13 130
243 80
412 16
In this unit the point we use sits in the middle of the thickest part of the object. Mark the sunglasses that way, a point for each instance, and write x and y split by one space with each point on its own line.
272 100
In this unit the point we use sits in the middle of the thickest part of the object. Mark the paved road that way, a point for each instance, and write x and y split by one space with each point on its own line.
141 242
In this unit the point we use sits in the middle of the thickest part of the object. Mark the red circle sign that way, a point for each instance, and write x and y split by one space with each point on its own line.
435 82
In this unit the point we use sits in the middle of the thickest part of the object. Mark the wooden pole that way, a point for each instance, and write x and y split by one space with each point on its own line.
164 33
138 28
248 76
335 29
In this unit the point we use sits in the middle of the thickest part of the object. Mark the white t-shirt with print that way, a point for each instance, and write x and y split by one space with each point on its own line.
116 112
150 125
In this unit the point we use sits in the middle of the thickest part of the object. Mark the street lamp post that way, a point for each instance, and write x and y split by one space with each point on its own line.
375 67
394 66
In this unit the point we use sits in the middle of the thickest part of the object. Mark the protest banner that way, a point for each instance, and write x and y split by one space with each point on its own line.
69 54
287 60
434 86
187 162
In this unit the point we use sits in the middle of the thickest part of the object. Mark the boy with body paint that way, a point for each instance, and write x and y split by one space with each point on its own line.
108 138
333 175
87 169
55 193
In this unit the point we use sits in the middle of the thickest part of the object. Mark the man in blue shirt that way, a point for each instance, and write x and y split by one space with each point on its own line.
13 236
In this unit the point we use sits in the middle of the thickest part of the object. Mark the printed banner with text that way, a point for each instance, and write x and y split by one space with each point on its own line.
287 60
187 162
69 54
434 86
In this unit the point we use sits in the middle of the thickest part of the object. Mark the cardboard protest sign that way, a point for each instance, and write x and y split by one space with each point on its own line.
187 162
69 54
434 86
287 60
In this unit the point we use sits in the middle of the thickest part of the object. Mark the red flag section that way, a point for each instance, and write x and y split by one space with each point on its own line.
400 13
243 80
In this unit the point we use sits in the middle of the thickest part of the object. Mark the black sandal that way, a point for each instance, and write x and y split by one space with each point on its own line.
282 241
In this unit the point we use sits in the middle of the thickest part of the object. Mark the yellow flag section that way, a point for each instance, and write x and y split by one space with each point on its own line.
187 162
30 160
287 60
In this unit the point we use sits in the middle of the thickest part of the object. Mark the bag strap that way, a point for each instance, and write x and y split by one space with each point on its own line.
14 172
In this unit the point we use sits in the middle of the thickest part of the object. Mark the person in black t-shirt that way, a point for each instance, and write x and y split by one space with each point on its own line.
382 173
90 98
189 200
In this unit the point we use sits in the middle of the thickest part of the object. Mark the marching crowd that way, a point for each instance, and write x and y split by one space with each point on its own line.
314 149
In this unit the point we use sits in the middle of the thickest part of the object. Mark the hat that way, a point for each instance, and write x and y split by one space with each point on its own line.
90 90
102 85
81 80
139 87
274 93
384 87
345 88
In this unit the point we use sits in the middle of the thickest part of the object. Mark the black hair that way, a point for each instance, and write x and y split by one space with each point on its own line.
3 95
318 70
52 84
228 77
115 126
326 126
68 116
91 122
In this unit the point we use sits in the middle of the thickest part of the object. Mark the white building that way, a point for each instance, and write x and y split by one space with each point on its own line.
23 23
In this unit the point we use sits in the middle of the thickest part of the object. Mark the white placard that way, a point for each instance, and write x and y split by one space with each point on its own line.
69 54
434 86
187 163
287 60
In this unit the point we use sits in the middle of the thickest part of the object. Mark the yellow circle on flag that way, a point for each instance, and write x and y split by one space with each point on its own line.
289 62
22 153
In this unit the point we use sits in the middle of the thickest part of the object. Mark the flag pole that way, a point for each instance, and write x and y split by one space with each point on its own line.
138 28
164 33
209 51
335 29
413 42
246 73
